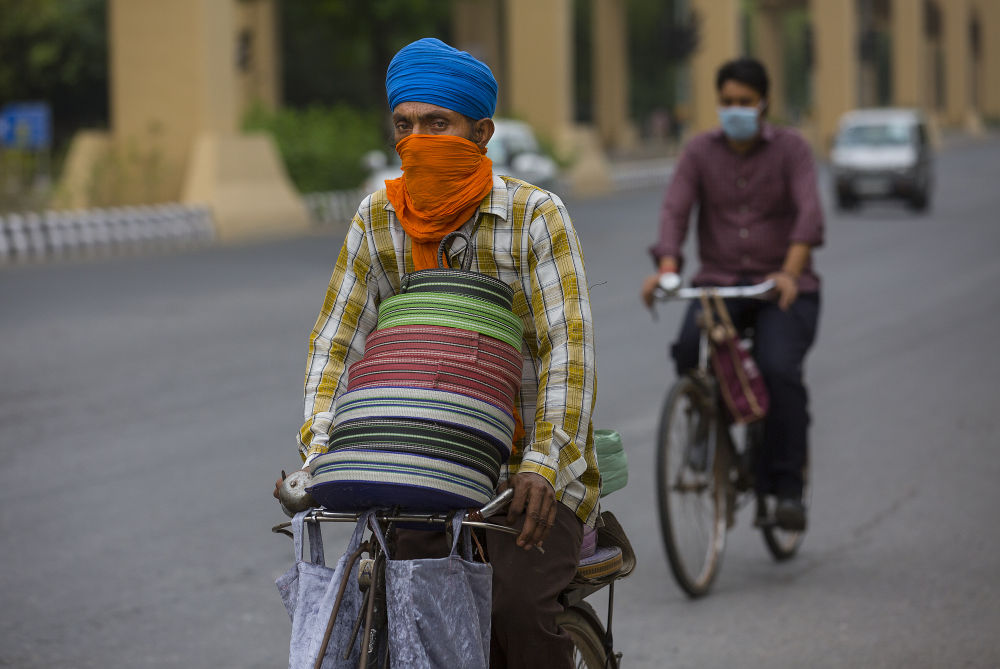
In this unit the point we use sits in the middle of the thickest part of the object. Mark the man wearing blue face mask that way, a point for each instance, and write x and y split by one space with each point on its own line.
759 218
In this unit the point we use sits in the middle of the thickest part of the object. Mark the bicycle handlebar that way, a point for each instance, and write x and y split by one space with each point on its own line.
472 518
669 288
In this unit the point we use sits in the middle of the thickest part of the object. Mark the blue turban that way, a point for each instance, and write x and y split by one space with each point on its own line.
430 71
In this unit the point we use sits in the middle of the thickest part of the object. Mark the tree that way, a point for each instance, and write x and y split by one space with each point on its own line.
56 51
337 51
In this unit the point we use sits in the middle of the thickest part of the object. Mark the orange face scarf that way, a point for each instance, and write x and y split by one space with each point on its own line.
444 179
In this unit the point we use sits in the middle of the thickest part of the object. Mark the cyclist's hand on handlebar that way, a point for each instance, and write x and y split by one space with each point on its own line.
787 288
649 285
534 497
667 265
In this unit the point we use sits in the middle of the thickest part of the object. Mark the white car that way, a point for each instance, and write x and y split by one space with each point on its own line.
882 153
513 149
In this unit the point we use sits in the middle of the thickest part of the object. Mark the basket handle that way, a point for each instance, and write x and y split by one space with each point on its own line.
466 254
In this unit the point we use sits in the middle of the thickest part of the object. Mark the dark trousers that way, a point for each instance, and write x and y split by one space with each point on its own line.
781 340
526 587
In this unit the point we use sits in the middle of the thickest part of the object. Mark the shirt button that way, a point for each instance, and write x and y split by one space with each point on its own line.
741 182
745 260
744 233
744 209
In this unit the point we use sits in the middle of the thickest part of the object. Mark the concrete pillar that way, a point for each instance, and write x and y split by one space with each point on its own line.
175 107
172 77
835 88
770 51
258 55
539 70
475 27
957 62
718 28
989 70
610 72
910 70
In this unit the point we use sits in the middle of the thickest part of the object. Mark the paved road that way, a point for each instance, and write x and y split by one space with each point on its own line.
147 403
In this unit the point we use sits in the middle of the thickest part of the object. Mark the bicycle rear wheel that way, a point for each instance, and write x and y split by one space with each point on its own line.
580 621
691 487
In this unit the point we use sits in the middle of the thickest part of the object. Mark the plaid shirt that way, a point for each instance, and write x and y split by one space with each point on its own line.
522 235
750 207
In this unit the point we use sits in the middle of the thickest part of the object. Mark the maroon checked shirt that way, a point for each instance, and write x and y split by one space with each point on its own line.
751 207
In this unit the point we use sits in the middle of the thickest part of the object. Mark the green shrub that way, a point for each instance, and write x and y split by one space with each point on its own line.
322 147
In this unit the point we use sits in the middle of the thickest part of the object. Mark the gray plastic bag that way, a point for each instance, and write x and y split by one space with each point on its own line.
309 590
439 609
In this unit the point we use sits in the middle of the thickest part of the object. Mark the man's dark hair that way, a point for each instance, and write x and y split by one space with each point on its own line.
748 71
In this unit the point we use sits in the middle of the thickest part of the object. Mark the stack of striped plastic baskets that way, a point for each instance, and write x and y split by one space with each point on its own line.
427 419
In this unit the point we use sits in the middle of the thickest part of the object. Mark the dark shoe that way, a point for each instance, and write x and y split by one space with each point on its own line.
790 515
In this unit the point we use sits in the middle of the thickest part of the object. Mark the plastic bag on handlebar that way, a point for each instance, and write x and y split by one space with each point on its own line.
309 591
439 608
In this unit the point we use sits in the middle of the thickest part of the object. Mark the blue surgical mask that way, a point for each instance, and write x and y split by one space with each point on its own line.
739 123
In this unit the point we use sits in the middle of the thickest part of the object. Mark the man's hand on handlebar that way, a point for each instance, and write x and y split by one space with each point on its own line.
667 265
787 288
534 497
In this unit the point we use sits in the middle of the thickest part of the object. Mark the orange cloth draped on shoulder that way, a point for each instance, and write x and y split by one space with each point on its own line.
444 179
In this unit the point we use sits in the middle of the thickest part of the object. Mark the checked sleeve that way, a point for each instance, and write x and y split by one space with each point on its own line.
560 305
349 313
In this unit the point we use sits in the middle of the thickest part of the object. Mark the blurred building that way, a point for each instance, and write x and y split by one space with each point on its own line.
184 72
930 54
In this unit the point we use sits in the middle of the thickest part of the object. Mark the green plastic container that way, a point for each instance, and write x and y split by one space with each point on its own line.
611 460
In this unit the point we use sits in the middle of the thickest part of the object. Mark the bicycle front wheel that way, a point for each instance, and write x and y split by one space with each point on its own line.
584 627
691 487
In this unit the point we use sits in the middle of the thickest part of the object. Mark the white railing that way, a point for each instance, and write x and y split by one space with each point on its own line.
334 207
51 234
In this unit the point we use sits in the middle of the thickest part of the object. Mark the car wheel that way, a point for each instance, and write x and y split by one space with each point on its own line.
919 201
846 201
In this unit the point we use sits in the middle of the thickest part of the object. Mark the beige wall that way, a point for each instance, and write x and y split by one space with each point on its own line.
167 80
989 72
539 67
719 41
176 100
835 83
957 61
769 49
475 26
610 72
909 54
260 81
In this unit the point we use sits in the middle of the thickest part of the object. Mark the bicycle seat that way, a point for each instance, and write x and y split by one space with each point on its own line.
614 557
606 561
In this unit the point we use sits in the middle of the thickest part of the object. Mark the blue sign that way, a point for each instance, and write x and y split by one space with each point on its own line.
26 125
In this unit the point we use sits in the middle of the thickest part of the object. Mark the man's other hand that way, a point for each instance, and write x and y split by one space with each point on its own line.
534 497
787 287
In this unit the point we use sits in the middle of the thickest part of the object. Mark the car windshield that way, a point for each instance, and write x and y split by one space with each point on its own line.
876 134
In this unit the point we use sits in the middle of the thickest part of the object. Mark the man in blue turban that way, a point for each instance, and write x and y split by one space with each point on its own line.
442 101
